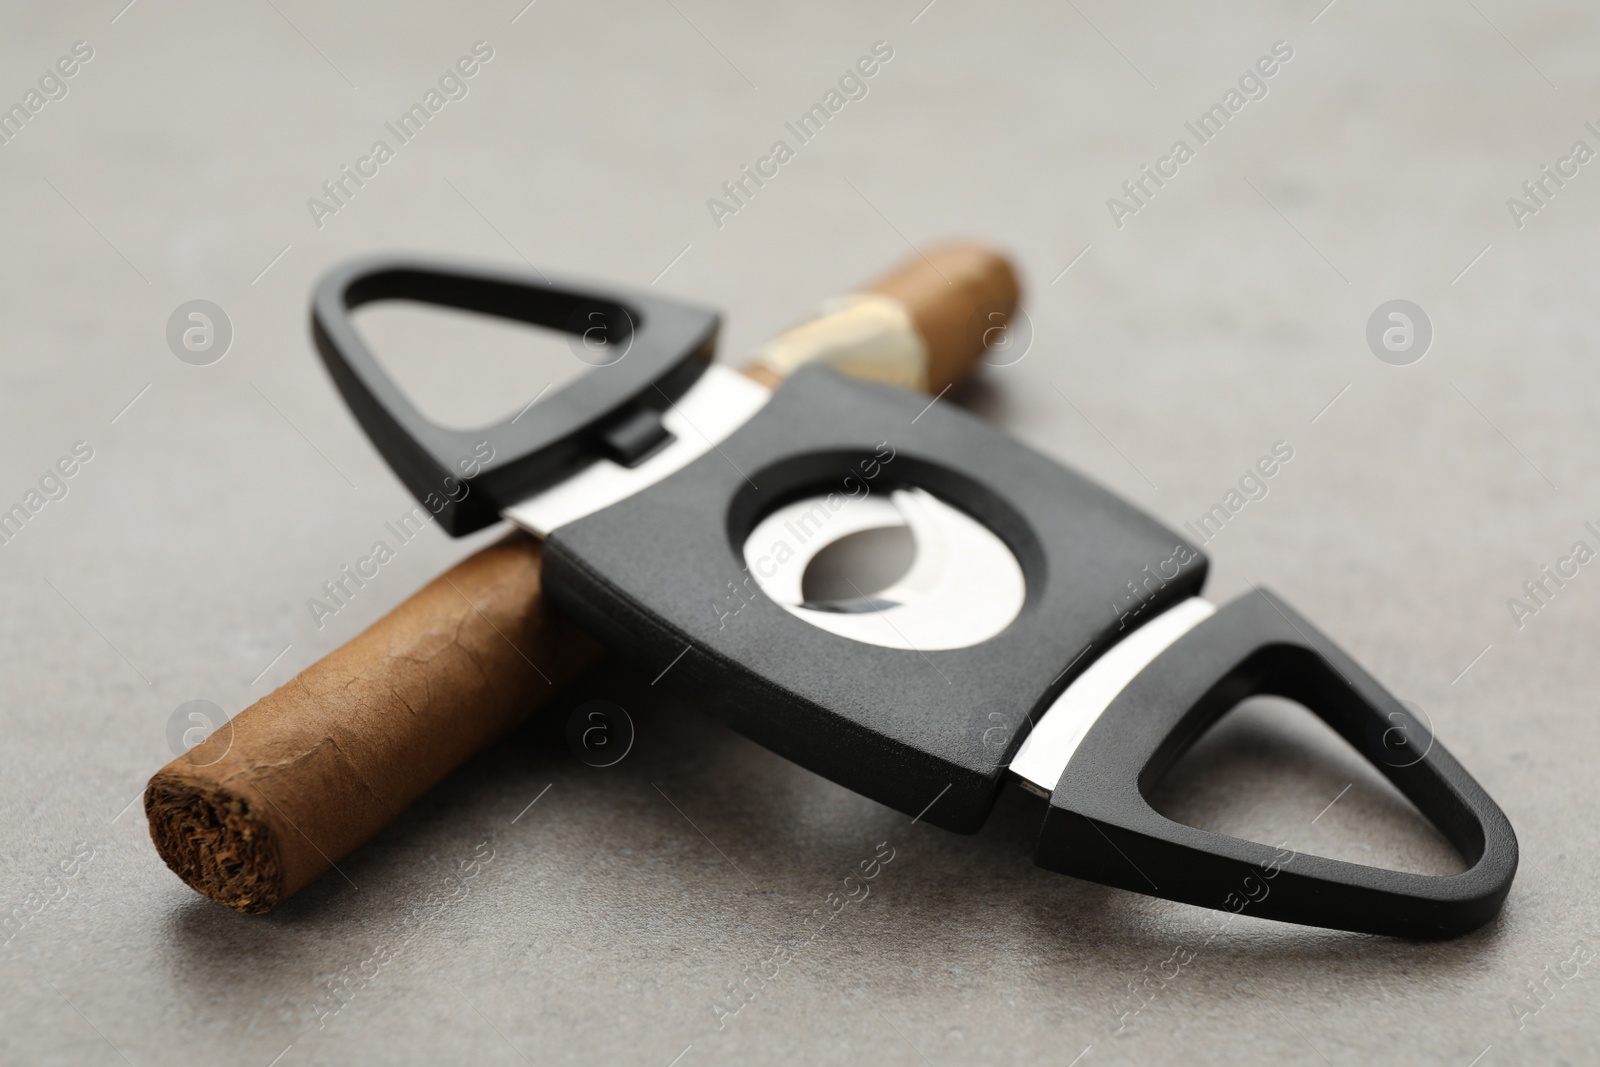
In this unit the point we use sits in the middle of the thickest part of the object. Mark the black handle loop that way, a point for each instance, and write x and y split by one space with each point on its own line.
654 350
1100 825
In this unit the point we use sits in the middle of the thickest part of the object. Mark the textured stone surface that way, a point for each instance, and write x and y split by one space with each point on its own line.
603 924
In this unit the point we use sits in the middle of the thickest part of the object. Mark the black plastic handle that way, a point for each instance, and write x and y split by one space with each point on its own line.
655 349
1100 825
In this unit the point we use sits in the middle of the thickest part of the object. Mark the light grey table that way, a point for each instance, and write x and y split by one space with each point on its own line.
606 922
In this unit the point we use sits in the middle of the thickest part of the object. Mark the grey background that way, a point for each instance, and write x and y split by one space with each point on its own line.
608 919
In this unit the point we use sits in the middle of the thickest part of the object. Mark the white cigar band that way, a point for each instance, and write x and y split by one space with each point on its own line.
864 335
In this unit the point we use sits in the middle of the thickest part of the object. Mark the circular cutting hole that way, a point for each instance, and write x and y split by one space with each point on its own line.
901 569
859 565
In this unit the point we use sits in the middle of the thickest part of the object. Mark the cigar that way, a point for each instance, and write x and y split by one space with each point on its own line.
291 785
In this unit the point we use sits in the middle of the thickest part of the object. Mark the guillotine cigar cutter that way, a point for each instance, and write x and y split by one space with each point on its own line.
904 599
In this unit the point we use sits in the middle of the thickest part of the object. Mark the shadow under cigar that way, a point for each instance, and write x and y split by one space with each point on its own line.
984 396
697 818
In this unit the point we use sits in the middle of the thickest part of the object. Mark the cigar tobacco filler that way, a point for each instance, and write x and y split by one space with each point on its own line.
691 519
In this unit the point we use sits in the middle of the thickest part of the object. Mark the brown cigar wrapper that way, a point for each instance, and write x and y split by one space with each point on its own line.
952 291
319 766
299 779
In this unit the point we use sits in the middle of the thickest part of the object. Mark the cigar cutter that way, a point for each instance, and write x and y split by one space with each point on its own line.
904 599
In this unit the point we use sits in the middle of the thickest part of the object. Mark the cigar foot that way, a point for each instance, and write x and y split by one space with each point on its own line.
212 840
